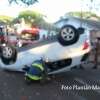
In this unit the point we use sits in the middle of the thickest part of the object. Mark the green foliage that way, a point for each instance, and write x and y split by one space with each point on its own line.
5 19
84 15
26 2
31 17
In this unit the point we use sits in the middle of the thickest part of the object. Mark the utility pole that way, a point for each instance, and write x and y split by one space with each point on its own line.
81 9
81 12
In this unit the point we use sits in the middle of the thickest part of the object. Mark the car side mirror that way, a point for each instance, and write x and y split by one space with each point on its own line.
80 30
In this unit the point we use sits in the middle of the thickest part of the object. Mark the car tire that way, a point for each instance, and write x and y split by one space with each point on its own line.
8 55
68 35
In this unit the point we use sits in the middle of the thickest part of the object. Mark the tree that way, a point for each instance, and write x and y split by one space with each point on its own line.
26 2
93 5
85 15
5 19
31 17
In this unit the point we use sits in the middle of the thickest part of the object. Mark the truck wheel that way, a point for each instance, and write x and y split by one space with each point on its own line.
68 35
8 55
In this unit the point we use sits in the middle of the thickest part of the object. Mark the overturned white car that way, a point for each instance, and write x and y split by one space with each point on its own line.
70 47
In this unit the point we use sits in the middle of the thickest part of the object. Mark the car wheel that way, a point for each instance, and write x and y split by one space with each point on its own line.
8 55
68 35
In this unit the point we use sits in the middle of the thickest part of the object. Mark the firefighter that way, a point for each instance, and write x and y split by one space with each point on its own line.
36 71
96 53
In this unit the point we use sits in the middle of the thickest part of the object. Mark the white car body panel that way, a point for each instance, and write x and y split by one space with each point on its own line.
52 51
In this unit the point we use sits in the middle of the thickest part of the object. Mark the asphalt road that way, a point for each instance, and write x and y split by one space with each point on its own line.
13 86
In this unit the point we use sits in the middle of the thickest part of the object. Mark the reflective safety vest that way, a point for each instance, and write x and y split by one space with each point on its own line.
35 71
40 66
34 77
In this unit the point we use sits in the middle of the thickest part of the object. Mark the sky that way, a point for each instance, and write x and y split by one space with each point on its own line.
53 9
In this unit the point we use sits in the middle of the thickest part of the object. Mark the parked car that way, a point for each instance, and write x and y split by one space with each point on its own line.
16 41
13 39
30 33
